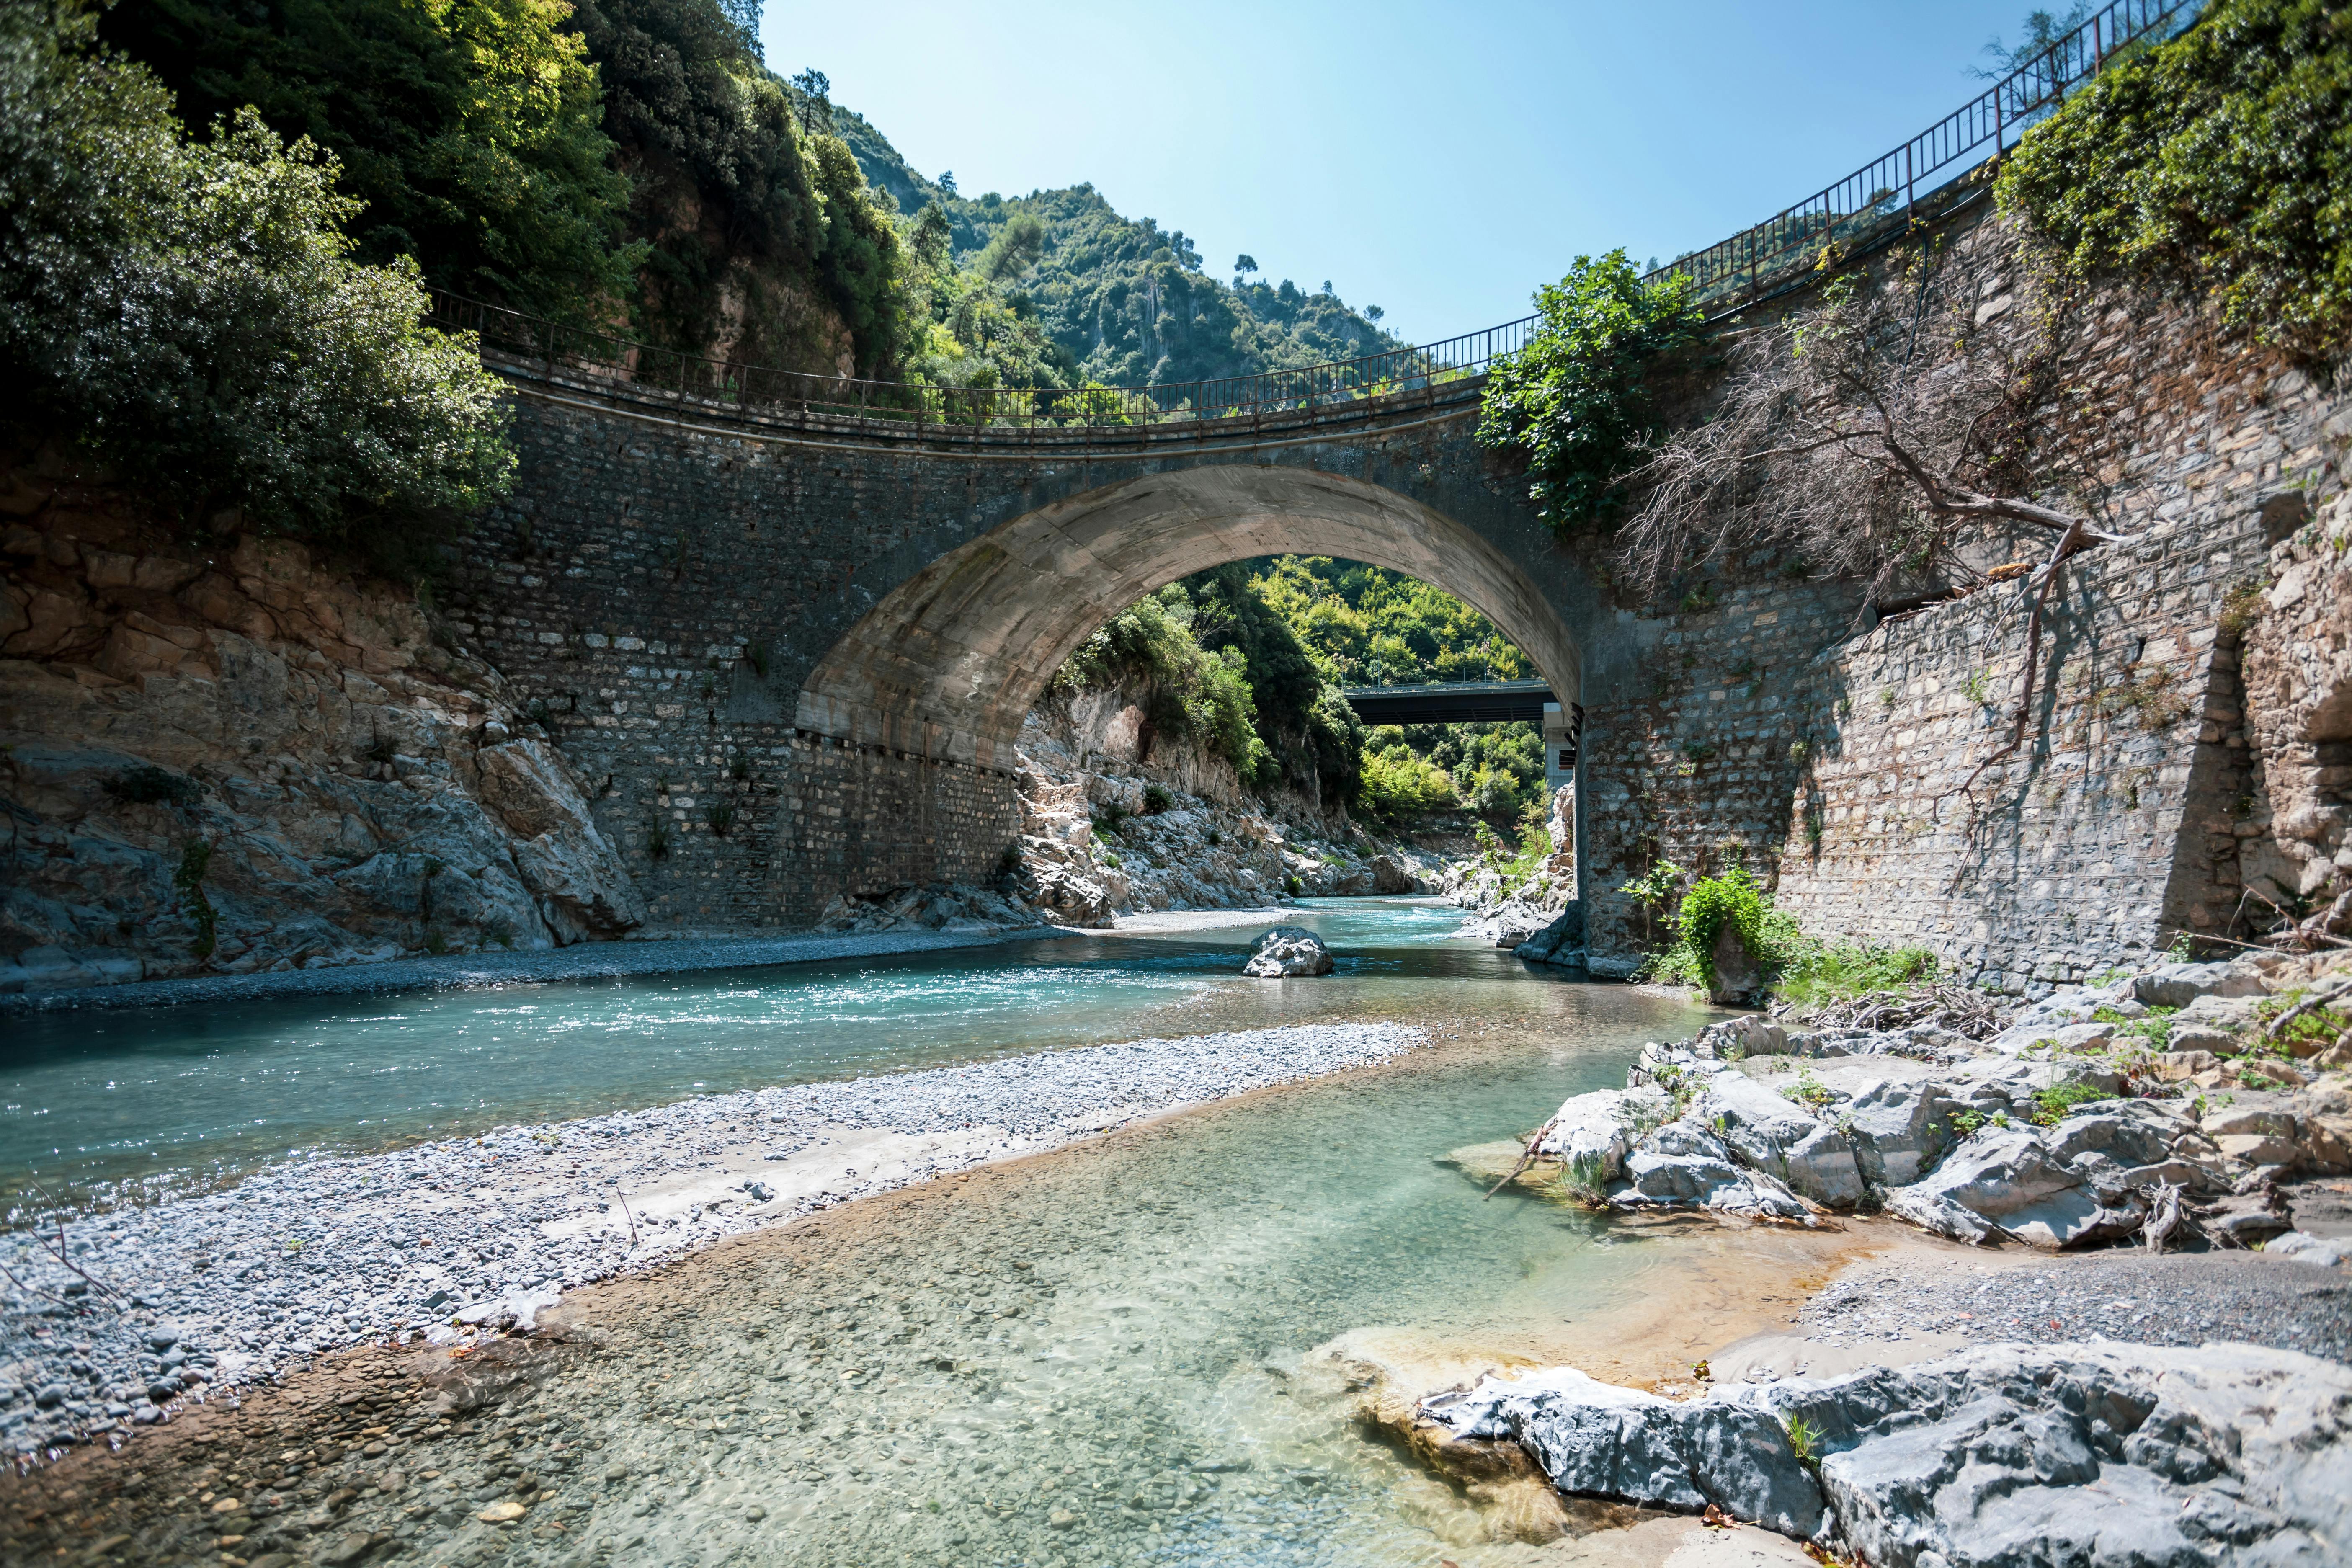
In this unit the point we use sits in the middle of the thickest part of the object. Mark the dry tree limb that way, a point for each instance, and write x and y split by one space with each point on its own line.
2164 1215
2316 999
1527 1157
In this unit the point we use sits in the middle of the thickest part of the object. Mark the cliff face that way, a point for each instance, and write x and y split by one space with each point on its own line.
234 760
1171 827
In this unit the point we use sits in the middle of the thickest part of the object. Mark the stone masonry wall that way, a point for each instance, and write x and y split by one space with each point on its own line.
659 591
1856 774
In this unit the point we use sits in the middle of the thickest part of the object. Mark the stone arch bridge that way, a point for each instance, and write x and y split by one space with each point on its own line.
863 613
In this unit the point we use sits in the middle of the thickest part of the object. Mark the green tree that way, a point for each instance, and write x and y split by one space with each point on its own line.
2222 159
1575 401
191 314
468 130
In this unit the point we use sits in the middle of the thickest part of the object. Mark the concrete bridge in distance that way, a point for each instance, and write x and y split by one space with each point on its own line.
1482 702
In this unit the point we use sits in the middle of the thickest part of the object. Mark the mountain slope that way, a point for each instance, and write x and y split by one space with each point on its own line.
1128 300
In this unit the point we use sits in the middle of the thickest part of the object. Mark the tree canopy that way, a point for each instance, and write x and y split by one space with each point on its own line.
192 313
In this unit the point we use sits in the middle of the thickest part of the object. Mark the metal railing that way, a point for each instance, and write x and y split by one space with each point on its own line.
1886 190
1874 200
629 367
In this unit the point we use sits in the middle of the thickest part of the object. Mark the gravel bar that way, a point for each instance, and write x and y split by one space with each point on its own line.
2177 1299
315 1254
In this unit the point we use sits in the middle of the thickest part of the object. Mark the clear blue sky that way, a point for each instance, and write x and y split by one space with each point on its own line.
1436 160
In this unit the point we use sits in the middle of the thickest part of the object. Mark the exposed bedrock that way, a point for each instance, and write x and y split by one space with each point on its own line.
2002 1456
238 761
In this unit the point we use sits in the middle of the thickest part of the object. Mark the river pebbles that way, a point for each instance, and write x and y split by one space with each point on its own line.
316 1254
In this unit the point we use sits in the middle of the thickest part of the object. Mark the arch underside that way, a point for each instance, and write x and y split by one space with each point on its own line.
950 662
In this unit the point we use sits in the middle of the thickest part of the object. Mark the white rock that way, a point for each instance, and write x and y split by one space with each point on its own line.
1288 951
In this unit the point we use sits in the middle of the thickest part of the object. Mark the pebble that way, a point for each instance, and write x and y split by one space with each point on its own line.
2177 1299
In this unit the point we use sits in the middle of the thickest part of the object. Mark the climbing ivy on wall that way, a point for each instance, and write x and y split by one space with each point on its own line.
2222 159
1576 400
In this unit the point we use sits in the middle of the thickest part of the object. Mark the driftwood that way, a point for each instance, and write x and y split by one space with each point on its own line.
1961 1009
2164 1215
1527 1157
2277 1029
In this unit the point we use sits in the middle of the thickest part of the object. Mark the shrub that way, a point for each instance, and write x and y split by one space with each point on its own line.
1811 974
190 314
722 817
146 785
1395 782
2221 157
1157 799
2060 1097
1575 400
195 859
1732 899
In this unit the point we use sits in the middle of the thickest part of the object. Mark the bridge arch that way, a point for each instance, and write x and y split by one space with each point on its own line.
949 663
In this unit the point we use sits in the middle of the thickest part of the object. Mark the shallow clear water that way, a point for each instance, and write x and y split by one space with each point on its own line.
1101 1356
91 1101
1098 1356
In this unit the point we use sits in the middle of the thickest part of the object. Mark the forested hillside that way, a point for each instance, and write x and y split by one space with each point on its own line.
1128 302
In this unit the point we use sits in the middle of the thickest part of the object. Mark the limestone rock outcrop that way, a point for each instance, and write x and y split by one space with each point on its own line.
1161 828
2063 1130
238 759
2000 1456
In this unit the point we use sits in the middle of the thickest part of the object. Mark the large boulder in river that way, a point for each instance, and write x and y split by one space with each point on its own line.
1287 950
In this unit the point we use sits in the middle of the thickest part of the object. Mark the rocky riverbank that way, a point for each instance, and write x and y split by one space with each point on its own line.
1967 1411
147 1308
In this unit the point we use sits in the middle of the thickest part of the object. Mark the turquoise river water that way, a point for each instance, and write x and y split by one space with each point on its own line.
1101 1356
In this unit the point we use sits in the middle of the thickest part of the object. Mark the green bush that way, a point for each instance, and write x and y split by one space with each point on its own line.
1732 899
190 314
1575 401
1396 784
471 132
1802 970
2053 1104
1811 974
1157 799
146 785
2222 158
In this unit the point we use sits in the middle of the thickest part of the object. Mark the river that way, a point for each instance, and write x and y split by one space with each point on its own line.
1091 1357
